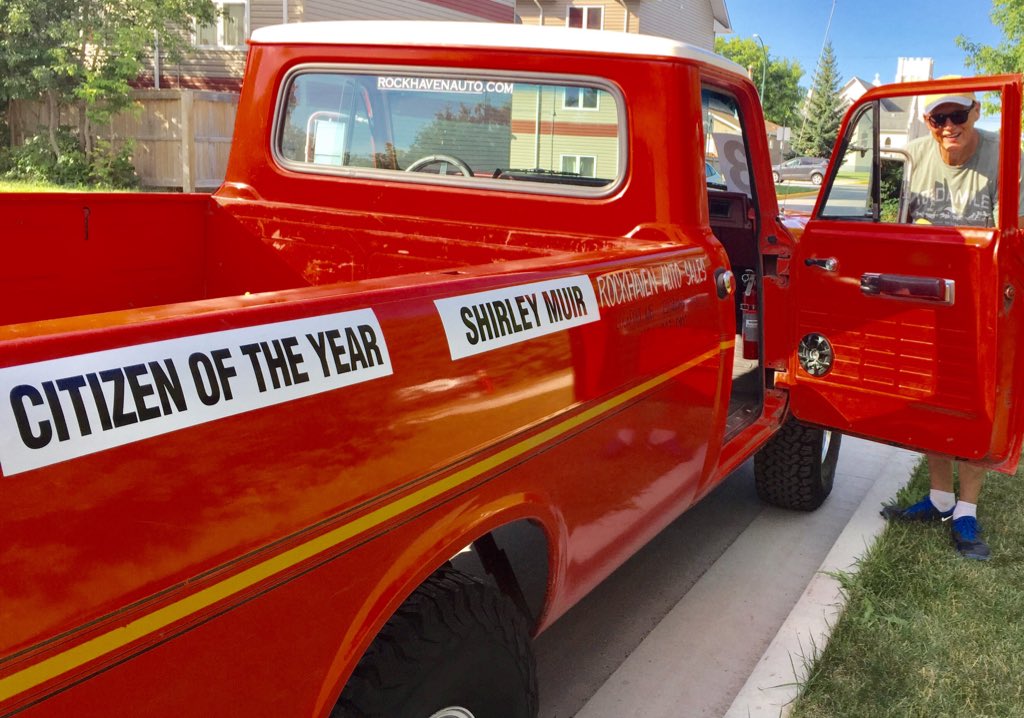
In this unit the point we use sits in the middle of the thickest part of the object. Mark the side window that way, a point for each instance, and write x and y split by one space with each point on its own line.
440 125
581 98
588 17
919 159
725 152
229 27
850 195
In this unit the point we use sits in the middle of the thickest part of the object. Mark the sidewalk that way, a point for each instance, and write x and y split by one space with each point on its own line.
702 658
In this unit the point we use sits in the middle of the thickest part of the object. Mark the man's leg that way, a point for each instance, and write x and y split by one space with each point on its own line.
971 479
966 532
939 502
940 469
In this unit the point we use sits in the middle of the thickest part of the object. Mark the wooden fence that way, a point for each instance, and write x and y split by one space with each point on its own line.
182 137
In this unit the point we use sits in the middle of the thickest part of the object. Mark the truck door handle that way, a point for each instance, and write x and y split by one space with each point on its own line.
901 286
829 264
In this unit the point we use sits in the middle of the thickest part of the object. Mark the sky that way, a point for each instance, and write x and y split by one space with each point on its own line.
868 36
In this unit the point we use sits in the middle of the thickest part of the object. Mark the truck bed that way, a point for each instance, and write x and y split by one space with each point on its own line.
77 254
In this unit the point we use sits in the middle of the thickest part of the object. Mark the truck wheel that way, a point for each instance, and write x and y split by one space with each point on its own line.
457 648
797 466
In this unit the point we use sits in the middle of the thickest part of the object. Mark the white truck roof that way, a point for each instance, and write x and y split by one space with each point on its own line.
486 34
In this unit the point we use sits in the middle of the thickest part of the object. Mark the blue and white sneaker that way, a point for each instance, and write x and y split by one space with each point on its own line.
967 539
923 510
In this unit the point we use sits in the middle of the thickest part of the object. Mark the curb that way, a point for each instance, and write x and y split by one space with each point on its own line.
777 679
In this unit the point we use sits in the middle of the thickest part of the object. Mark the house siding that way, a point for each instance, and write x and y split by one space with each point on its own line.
545 130
216 69
557 12
690 21
483 10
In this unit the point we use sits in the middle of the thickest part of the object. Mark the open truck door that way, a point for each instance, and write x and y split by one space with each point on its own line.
910 333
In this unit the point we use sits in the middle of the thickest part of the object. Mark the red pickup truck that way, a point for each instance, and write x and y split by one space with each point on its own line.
465 326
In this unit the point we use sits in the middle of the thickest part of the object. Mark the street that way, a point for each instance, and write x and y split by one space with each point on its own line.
802 202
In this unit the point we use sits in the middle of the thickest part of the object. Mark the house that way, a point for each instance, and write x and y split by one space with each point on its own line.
692 21
580 124
218 57
855 87
900 117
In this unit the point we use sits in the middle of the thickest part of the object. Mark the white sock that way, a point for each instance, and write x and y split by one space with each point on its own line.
942 500
965 509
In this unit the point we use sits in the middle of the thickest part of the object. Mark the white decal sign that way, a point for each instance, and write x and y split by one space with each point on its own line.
461 86
60 409
477 323
628 285
732 158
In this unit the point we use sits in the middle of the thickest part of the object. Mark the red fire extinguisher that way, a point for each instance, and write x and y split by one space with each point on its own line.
748 313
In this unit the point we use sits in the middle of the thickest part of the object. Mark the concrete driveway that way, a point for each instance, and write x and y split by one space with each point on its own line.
681 628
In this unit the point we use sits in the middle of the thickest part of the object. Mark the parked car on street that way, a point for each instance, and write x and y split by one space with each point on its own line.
713 177
800 168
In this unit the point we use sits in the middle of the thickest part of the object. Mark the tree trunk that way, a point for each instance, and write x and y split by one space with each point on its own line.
85 132
54 117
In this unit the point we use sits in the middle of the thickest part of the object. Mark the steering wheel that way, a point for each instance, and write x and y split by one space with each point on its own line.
422 162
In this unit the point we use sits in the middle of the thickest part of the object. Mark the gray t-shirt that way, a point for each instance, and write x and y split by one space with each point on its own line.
966 195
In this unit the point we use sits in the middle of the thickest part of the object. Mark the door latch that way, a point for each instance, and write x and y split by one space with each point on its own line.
829 264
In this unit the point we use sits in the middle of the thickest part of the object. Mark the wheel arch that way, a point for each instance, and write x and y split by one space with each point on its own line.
452 535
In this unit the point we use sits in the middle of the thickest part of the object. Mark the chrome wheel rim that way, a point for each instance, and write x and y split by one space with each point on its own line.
453 712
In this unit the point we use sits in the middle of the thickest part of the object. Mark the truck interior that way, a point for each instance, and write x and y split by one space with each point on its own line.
733 219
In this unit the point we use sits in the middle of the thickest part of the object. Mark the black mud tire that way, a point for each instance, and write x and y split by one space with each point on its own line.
797 466
455 643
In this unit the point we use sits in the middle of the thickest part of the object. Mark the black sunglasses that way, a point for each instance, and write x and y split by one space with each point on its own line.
958 117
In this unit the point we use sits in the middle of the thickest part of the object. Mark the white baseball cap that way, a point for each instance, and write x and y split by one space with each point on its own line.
964 99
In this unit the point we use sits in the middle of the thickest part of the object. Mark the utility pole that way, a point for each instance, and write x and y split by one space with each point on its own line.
764 65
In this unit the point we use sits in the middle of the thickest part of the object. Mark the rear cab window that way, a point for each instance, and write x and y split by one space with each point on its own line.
534 134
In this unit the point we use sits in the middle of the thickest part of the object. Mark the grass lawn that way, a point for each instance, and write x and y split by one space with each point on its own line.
925 633
26 186
783 189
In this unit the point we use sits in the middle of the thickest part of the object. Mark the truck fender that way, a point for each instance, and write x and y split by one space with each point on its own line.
453 531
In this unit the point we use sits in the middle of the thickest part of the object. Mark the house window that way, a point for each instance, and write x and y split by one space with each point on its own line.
229 27
581 98
582 165
588 17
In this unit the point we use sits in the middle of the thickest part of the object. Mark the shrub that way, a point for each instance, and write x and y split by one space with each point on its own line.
113 167
890 186
35 160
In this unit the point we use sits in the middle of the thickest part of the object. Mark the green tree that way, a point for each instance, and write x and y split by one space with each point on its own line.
823 110
1008 55
781 98
87 54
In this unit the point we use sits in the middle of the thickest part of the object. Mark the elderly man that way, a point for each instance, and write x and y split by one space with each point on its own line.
954 181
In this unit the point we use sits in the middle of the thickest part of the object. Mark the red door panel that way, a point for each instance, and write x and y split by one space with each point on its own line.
917 324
